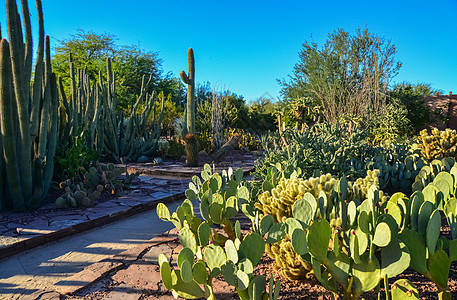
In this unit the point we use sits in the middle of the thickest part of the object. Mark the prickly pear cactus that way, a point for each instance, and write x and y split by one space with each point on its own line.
403 289
98 179
207 252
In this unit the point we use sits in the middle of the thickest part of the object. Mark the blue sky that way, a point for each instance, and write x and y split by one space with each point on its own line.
247 45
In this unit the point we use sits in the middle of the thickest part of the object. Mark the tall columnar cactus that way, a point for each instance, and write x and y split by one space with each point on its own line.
28 113
190 81
82 110
190 138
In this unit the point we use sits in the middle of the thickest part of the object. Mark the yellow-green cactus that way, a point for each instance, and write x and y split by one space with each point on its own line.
359 188
438 144
288 262
280 200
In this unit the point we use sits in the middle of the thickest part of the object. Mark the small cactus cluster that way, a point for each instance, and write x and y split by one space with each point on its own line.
288 262
100 178
279 201
438 144
208 253
359 188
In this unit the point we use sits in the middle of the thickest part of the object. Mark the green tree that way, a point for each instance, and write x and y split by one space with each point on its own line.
348 76
88 49
412 98
261 114
130 64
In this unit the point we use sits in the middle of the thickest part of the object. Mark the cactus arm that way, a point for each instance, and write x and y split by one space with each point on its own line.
46 105
28 41
21 94
36 95
73 105
52 140
184 77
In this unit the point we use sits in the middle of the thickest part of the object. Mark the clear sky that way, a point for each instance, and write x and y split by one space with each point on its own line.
247 45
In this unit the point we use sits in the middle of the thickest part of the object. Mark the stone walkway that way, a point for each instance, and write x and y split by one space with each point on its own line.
51 269
20 231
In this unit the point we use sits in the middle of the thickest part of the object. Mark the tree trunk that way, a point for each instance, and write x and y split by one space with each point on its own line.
226 148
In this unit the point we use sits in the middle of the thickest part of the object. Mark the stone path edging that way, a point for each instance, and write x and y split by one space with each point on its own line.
84 226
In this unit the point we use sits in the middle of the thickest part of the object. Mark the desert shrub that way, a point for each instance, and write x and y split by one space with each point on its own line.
323 148
392 125
348 75
411 97
175 149
73 160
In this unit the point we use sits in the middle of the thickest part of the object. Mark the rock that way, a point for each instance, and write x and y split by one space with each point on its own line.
152 255
139 275
143 159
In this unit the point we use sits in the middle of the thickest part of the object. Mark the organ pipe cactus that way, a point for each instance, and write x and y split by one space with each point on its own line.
82 110
208 253
29 113
129 137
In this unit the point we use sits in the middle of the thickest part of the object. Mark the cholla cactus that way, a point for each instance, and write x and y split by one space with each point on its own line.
438 144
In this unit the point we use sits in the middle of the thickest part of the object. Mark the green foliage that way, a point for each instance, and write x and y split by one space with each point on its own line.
391 125
172 111
207 252
130 63
411 97
70 161
88 49
348 75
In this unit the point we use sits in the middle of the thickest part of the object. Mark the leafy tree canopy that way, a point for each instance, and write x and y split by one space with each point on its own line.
130 63
348 76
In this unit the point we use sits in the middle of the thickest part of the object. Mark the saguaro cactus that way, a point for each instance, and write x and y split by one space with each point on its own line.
190 138
190 81
28 116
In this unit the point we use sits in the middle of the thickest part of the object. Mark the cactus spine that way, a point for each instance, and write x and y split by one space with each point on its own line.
29 114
